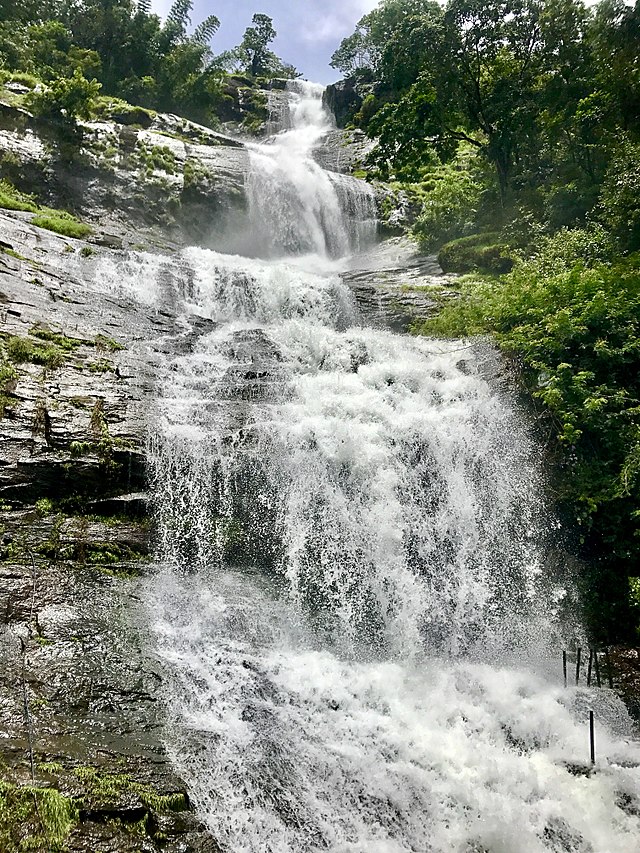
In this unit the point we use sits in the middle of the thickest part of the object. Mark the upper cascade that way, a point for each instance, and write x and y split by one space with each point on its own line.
295 206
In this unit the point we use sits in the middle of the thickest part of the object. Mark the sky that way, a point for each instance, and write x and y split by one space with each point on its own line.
308 30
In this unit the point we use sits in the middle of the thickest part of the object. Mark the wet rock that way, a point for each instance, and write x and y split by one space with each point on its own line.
395 286
343 100
73 543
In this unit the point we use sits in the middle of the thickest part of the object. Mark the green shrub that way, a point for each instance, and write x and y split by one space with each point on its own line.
482 252
66 98
449 208
62 223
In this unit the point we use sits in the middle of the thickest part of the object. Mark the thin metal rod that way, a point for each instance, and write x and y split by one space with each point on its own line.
589 667
592 738
578 658
564 667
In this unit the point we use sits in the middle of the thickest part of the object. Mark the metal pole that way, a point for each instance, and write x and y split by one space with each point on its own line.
578 665
564 667
592 738
589 667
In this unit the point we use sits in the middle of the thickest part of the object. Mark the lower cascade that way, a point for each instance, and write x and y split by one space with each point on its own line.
358 604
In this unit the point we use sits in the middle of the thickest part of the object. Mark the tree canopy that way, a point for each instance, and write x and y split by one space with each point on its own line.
133 54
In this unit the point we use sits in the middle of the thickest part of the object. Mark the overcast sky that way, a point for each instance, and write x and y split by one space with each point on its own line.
308 30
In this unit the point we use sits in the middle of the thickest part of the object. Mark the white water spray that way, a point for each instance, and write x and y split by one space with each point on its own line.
356 604
296 206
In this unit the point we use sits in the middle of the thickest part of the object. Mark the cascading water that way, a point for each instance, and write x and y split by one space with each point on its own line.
296 206
354 602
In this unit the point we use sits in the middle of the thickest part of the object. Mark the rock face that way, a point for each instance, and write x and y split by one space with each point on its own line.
172 183
80 694
395 286
80 708
342 100
343 151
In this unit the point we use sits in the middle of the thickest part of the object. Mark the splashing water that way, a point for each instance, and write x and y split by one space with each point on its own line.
296 207
357 604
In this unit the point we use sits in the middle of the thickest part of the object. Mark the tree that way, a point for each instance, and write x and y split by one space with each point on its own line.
255 44
253 56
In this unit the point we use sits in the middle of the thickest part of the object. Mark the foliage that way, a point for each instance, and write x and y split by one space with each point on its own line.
575 332
130 52
620 198
34 818
449 206
543 90
253 55
66 99
480 252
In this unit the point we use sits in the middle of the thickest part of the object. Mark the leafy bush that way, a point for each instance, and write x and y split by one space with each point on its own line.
482 252
66 99
575 332
449 207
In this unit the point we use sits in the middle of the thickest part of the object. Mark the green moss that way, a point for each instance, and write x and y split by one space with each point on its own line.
153 158
102 342
21 350
195 176
80 448
86 252
12 253
62 223
59 221
102 366
13 199
108 553
35 819
108 787
62 341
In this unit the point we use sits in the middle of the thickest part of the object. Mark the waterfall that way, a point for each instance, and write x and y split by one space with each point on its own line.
296 206
356 604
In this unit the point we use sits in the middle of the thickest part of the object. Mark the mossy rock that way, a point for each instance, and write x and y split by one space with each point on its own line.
133 116
480 252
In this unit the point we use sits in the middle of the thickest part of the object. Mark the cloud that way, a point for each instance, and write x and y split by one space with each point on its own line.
331 21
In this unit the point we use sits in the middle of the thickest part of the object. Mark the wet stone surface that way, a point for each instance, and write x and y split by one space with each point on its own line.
80 694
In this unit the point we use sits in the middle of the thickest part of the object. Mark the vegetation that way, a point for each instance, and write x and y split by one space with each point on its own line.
67 53
59 221
253 56
33 818
43 818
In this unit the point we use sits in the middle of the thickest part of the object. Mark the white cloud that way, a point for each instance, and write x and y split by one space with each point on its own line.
331 21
